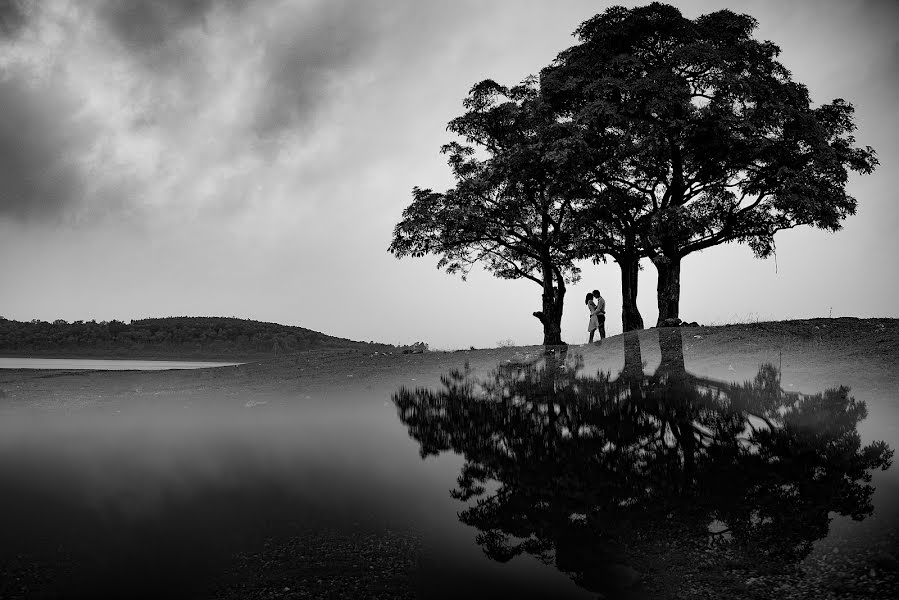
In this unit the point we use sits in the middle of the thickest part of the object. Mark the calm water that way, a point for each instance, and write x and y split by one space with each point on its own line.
554 478
97 364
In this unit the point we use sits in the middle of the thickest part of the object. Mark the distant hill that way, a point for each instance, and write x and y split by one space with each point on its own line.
169 338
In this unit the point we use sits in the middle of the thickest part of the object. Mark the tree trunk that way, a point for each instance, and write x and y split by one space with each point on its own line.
630 314
551 315
668 290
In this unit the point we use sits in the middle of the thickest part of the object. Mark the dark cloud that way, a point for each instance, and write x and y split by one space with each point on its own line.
150 87
307 47
41 147
878 9
317 48
892 71
146 24
305 56
878 19
12 16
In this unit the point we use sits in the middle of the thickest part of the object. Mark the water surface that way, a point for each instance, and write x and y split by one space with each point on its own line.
565 478
99 364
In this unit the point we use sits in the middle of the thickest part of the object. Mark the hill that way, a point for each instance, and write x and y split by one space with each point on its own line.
165 338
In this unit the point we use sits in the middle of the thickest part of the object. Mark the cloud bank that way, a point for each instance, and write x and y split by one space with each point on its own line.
150 108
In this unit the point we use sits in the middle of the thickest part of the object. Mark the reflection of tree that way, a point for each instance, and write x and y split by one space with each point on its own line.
586 471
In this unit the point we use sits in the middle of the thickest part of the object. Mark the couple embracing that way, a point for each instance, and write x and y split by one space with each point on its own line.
596 304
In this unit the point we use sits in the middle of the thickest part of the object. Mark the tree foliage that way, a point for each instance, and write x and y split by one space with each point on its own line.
512 209
716 142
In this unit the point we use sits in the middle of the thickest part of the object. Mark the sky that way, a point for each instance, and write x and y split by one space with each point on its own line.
251 158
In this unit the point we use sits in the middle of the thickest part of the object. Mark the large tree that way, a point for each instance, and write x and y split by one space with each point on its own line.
511 209
717 141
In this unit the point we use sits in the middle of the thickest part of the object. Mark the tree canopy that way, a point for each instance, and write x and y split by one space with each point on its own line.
512 209
717 143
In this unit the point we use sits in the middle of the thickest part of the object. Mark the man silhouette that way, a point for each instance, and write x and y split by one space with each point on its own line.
600 314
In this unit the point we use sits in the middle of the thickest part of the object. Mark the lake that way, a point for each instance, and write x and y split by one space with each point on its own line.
638 471
100 364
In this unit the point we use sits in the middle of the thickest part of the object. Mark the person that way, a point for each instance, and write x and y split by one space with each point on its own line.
592 325
600 313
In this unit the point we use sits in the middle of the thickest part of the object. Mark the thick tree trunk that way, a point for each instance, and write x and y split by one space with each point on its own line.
630 314
551 315
552 333
668 290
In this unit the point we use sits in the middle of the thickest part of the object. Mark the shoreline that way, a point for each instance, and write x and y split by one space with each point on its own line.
871 345
802 327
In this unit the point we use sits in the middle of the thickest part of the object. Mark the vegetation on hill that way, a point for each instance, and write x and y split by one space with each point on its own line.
170 337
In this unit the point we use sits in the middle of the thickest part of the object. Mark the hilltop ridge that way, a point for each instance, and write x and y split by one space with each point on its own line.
167 337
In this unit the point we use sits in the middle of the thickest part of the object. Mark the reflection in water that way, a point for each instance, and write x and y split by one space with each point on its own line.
604 476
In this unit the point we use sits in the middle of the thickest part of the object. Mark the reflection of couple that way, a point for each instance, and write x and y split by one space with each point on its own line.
596 304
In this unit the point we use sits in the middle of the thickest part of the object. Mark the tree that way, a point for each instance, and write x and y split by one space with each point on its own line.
511 209
613 229
718 144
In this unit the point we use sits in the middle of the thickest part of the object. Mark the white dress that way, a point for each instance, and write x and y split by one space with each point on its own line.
593 325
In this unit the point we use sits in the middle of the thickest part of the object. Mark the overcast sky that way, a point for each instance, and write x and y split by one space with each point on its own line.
250 159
